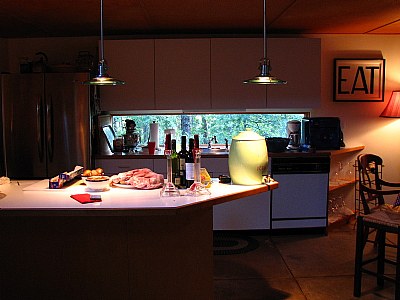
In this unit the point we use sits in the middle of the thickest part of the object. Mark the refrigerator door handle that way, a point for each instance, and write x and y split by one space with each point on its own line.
39 125
50 129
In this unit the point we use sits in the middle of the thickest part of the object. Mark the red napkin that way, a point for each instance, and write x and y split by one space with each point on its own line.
84 198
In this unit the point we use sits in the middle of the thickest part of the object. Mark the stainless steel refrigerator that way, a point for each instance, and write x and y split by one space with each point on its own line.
46 124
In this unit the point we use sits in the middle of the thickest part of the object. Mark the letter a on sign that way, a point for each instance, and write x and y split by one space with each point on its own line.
359 80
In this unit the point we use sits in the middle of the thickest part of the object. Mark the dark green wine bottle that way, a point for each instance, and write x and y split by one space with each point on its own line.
176 179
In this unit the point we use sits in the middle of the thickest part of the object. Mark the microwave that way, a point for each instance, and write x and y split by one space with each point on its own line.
322 133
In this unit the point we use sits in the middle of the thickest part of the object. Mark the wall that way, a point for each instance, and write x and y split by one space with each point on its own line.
360 121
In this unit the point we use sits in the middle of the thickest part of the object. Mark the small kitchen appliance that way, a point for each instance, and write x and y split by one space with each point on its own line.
293 130
248 158
322 133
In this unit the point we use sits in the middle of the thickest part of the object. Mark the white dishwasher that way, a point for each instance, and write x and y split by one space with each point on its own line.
301 201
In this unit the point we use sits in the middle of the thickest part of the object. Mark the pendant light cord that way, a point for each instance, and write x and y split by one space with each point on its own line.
265 29
101 32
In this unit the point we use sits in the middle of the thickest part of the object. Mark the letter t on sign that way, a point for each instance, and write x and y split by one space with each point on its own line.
359 80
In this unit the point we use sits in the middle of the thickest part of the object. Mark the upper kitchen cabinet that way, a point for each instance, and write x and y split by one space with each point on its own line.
133 62
182 74
232 61
298 61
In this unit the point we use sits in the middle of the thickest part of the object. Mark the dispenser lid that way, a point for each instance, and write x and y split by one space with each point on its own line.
248 135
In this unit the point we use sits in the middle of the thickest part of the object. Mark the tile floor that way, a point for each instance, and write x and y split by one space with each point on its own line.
311 267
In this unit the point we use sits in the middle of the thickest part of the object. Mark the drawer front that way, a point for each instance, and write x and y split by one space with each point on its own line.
115 166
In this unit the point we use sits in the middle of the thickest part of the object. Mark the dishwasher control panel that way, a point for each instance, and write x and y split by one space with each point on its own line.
300 165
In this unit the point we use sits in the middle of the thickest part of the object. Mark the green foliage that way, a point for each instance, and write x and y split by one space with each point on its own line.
223 126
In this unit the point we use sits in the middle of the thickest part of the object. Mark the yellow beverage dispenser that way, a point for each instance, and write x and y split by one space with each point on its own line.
248 158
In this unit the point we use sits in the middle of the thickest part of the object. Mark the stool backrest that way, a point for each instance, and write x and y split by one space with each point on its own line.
369 175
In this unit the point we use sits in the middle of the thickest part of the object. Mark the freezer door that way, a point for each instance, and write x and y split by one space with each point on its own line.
23 125
67 134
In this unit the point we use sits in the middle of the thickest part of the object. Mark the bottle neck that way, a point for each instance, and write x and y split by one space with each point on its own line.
173 145
191 145
183 143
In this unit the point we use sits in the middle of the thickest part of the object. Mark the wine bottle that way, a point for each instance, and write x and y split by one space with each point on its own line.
167 144
182 159
176 179
196 142
189 164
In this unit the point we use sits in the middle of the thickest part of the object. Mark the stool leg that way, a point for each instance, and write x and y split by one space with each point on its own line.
397 285
359 256
380 239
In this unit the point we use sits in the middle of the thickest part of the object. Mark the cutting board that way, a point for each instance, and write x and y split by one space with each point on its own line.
43 185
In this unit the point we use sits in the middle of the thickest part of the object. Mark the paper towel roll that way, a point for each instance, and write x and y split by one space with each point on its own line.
154 133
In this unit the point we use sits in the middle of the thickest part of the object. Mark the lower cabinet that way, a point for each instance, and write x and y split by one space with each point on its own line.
250 213
115 166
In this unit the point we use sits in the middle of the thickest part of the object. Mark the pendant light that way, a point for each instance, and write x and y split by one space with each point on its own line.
265 66
102 77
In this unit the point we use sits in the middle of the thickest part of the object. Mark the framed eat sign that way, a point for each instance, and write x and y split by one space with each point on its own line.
359 80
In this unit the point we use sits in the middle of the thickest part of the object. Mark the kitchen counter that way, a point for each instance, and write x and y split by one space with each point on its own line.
132 245
34 198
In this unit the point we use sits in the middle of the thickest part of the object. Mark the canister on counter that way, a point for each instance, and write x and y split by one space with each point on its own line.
118 144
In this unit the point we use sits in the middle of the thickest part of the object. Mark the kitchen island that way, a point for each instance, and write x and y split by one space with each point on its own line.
131 245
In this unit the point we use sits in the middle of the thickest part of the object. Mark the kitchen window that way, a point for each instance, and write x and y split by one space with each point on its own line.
222 126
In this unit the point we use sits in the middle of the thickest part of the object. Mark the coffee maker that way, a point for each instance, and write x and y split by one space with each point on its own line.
293 130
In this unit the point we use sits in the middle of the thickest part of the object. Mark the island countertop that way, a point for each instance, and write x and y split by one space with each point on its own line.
35 198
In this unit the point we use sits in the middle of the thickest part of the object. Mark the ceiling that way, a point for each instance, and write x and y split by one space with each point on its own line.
49 18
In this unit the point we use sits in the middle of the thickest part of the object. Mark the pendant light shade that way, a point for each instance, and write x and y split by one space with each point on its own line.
392 109
102 77
265 76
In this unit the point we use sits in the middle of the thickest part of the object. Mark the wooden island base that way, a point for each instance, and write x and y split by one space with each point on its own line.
131 245
137 257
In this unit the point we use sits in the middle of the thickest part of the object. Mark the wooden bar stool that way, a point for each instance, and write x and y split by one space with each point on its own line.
384 222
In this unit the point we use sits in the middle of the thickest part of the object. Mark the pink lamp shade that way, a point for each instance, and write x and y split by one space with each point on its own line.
392 110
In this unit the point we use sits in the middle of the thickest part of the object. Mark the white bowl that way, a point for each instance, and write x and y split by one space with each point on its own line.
97 183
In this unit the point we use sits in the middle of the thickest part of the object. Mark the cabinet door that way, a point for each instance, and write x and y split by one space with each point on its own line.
114 166
232 61
215 166
298 61
133 62
182 74
249 213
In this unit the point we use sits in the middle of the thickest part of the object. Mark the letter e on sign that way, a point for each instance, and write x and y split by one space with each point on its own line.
359 80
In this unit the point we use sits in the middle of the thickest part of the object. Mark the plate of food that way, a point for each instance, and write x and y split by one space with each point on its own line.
140 179
123 185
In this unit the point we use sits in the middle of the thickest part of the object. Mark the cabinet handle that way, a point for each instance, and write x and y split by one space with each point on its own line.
39 126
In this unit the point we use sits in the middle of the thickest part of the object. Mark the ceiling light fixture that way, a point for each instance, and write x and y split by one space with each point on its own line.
102 77
392 109
265 66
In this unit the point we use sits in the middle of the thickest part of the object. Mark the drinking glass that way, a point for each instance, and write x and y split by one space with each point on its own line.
169 189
